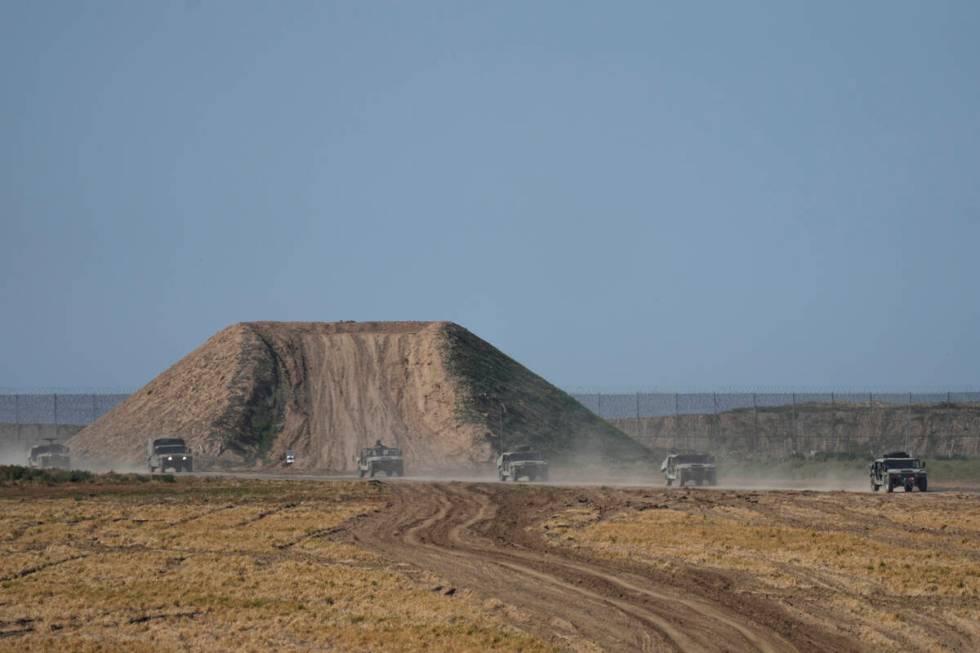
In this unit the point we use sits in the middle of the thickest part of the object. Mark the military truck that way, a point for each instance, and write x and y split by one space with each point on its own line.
522 462
52 455
169 453
379 458
698 468
898 469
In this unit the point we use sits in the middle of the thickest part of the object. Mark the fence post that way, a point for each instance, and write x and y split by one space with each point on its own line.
793 427
908 422
833 421
638 435
714 407
675 439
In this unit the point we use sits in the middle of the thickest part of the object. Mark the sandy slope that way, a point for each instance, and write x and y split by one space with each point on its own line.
325 390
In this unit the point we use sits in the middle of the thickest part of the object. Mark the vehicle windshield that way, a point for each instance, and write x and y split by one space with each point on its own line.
693 458
901 463
523 455
48 448
170 448
381 451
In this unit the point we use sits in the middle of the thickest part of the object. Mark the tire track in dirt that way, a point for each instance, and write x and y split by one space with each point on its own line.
476 536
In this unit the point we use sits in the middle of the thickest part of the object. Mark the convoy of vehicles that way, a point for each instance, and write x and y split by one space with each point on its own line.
522 462
52 455
895 469
898 469
892 470
379 458
169 454
697 468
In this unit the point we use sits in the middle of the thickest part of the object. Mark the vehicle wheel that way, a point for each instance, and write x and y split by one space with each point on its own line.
360 473
874 487
891 488
923 485
371 472
669 482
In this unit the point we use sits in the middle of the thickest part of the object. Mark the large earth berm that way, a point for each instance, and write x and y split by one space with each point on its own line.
449 399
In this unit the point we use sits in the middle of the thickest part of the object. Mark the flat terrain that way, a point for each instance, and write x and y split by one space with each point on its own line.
218 564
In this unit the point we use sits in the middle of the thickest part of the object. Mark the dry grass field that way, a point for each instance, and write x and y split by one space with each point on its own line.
206 564
110 563
891 571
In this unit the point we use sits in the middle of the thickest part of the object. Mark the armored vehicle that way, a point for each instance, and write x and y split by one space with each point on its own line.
49 456
898 469
379 458
169 453
522 463
690 467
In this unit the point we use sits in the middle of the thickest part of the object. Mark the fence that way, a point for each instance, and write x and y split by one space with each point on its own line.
662 404
786 423
780 423
56 408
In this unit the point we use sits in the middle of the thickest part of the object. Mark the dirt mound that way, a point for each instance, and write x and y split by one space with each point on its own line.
325 390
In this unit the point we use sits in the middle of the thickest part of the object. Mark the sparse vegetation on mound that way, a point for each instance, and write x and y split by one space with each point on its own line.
516 406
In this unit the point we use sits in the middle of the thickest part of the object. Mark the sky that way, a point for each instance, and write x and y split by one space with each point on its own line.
670 195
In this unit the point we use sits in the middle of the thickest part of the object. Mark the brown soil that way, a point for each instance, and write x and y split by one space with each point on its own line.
325 390
465 566
645 569
480 536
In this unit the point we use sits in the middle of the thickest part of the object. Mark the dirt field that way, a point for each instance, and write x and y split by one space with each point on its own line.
342 565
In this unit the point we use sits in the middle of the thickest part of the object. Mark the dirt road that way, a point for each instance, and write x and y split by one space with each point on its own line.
478 536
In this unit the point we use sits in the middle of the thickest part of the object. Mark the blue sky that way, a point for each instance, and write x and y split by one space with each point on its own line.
619 195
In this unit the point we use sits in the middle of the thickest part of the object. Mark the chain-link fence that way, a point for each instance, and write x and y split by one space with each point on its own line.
765 423
661 404
943 424
56 408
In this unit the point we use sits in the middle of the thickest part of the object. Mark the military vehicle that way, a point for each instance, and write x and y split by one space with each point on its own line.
379 458
169 453
49 456
698 468
520 463
898 469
